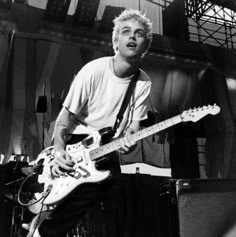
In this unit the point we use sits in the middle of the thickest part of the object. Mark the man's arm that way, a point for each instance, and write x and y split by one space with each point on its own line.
130 145
62 158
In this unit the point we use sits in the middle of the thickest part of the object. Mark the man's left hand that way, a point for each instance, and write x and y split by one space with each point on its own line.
129 145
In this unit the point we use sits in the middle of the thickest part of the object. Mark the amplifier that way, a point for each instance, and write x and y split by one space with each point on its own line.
198 207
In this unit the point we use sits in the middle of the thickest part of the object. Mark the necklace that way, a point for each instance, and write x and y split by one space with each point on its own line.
113 64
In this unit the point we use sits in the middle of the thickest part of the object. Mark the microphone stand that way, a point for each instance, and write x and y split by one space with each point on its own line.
17 210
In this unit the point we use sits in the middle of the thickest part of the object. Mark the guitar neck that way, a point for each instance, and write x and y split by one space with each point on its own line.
116 144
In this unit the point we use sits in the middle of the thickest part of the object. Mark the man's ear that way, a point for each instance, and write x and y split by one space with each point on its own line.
115 43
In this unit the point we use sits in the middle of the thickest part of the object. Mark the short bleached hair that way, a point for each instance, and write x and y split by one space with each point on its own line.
129 15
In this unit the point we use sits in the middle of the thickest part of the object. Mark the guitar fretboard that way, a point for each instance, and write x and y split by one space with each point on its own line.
116 144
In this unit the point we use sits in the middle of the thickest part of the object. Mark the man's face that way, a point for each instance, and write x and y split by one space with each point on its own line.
132 39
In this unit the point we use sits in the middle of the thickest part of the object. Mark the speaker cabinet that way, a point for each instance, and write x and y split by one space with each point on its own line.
86 12
203 208
110 13
56 10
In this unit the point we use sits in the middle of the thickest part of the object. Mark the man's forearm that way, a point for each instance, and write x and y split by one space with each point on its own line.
61 129
60 136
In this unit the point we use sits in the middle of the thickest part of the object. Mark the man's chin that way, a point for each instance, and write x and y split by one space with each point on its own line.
132 55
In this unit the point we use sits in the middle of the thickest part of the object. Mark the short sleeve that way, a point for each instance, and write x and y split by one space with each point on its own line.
140 103
79 91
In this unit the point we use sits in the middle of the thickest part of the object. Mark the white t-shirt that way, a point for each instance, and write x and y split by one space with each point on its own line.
96 95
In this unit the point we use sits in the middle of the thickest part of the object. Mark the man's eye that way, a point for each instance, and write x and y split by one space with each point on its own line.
125 32
140 34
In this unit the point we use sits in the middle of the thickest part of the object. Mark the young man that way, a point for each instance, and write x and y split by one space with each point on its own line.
92 103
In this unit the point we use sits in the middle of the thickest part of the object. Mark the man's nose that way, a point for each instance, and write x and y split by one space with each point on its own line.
132 35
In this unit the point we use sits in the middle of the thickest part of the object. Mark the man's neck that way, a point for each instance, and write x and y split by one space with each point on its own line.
123 67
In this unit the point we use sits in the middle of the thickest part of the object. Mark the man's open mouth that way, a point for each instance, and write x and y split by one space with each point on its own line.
131 45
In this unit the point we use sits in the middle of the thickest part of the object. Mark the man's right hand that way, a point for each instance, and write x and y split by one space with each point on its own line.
62 163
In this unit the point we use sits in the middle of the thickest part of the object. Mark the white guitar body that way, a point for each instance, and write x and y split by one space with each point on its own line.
57 188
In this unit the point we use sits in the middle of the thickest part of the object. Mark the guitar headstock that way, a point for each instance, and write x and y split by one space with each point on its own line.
200 112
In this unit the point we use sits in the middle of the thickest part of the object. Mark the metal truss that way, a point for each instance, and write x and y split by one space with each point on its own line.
211 23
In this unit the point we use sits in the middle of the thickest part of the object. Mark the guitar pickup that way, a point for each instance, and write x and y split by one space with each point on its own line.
87 174
88 141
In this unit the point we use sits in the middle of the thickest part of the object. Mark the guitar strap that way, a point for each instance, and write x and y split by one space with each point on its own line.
126 100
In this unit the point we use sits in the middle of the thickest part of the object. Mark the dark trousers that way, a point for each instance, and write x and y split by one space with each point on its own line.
67 213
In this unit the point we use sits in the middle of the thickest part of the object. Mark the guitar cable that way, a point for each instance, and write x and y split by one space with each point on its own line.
20 191
37 223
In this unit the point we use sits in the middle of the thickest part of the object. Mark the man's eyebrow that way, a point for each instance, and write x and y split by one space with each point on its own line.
125 27
128 27
140 29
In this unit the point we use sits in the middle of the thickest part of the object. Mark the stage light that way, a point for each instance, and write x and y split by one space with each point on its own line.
56 10
231 84
109 14
85 13
42 104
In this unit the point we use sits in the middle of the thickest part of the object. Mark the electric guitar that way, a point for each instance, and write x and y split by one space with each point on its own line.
52 190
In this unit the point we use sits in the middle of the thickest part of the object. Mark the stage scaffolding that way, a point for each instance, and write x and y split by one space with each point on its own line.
204 21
